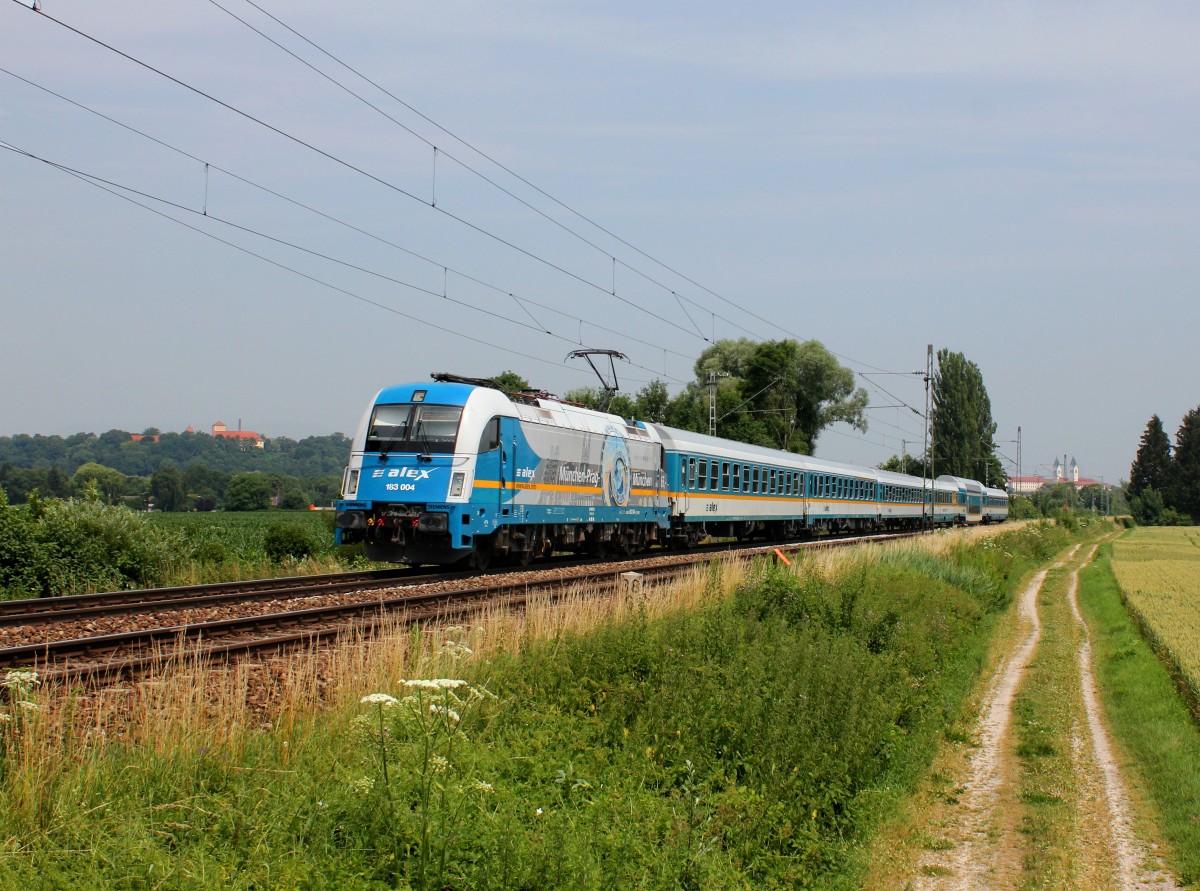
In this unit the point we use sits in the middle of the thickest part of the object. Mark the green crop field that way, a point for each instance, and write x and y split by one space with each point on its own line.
1158 570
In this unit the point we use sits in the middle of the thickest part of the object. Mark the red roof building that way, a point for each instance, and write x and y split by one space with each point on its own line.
248 437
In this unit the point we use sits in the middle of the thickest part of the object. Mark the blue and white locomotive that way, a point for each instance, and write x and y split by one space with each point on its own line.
457 470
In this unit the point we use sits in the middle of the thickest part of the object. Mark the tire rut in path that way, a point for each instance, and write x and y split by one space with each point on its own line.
985 846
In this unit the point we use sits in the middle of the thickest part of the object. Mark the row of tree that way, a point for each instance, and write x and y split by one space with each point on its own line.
783 394
313 456
196 487
777 394
1164 482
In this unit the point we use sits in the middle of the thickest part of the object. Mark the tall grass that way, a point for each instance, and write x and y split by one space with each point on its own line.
744 728
1148 718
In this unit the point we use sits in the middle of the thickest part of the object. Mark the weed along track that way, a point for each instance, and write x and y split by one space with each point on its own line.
1039 800
127 632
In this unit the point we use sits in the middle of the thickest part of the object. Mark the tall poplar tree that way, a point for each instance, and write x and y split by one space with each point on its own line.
1151 468
1184 490
962 422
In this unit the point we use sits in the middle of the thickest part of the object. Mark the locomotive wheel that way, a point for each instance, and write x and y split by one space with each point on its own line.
482 558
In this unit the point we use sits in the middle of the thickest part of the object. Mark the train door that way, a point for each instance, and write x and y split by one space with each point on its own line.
490 470
685 475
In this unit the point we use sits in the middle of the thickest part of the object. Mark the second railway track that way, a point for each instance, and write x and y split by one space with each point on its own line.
440 596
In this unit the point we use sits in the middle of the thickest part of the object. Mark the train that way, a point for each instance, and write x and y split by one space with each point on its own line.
457 471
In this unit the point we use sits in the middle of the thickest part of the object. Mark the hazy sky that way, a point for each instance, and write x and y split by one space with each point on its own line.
1019 182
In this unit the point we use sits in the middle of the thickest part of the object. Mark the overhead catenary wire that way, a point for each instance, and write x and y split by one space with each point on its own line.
557 267
116 191
354 168
616 260
209 166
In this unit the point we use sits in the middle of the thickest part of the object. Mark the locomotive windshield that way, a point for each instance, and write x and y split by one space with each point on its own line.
413 428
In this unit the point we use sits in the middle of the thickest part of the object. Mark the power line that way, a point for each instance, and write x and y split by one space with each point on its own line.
521 300
354 168
486 157
115 190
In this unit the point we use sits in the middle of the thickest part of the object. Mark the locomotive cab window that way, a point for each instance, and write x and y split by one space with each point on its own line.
413 428
490 440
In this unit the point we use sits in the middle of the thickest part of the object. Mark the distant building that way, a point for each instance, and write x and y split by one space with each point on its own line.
1063 473
248 437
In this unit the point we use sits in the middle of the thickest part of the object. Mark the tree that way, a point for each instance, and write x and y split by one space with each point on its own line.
248 491
1183 491
511 382
788 392
1151 468
962 422
109 482
166 488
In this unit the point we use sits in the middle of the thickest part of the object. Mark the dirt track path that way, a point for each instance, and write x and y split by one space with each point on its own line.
981 836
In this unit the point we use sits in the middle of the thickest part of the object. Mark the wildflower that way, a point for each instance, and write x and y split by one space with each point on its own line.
435 709
23 678
5 718
29 706
362 786
538 812
379 698
481 786
439 764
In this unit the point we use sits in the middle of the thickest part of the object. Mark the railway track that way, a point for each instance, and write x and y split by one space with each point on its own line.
424 597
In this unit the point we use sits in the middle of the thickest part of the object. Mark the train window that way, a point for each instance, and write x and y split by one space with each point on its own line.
703 481
490 440
787 483
771 486
725 475
691 481
745 477
714 473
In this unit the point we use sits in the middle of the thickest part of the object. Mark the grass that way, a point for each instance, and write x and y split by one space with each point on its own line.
1158 570
744 728
1047 712
1148 719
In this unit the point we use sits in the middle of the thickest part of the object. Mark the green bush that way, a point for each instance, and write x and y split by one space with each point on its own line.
52 547
288 540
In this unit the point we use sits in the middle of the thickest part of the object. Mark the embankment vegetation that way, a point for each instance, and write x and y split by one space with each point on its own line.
750 728
52 547
1136 582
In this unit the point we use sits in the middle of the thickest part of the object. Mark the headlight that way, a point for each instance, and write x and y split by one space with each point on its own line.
433 522
456 484
350 486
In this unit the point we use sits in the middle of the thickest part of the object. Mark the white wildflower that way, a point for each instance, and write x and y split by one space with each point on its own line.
362 786
538 812
481 786
5 717
379 698
450 713
22 678
29 706
438 764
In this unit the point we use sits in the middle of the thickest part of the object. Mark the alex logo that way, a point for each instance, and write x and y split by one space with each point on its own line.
409 473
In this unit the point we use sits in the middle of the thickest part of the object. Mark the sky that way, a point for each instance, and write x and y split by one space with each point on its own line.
502 183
